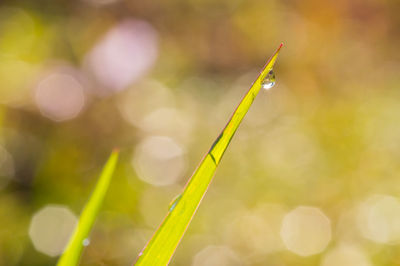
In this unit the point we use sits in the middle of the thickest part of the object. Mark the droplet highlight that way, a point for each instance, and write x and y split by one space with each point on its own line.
86 242
173 203
269 80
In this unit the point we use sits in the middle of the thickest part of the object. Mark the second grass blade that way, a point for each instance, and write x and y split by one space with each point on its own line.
164 242
88 216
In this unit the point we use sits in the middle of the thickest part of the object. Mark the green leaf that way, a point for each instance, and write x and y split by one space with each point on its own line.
73 252
162 246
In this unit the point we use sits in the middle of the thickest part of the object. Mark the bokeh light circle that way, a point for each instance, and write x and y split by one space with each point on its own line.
256 233
143 99
346 255
124 54
379 219
159 160
306 231
50 229
60 96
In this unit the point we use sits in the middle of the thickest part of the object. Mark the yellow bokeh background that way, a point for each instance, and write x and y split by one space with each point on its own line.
312 176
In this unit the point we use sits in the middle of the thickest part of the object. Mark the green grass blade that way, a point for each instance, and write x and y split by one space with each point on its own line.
164 242
74 249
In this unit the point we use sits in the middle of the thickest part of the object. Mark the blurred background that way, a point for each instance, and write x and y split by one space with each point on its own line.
312 176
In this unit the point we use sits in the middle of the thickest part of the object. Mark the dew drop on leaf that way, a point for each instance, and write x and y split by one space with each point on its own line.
269 80
86 242
173 203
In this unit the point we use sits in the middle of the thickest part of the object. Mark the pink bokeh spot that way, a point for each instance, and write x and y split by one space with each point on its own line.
124 54
60 96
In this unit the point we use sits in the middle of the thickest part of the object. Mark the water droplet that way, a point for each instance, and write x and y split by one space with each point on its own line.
173 203
86 242
269 80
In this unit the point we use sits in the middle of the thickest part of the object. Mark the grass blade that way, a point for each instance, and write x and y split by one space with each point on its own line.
73 252
162 246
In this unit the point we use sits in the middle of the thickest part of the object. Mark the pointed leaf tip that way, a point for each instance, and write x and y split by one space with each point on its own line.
279 48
